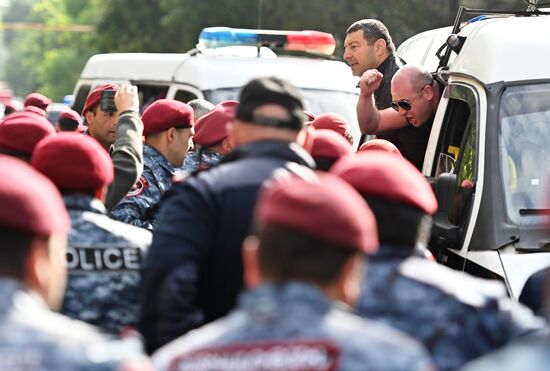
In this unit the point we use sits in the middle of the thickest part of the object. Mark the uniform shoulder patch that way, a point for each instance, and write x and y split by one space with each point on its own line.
141 185
273 356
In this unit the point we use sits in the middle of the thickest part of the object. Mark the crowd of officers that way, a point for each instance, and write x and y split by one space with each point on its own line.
248 235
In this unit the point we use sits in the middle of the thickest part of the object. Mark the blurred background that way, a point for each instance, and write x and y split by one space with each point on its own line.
46 43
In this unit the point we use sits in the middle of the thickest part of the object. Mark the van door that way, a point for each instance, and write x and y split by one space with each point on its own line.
456 159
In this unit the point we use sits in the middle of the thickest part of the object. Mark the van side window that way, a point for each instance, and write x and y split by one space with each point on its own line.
457 149
150 93
80 97
184 96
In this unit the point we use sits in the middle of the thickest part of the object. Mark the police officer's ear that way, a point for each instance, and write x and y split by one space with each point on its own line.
89 115
348 286
305 138
101 193
252 274
38 266
171 135
233 132
227 145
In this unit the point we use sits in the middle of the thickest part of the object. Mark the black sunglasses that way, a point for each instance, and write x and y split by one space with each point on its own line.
404 103
401 104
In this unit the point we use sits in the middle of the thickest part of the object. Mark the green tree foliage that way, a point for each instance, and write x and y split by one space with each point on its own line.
50 62
134 26
45 61
174 25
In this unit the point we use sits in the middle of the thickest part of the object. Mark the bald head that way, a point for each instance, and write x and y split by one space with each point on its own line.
415 76
417 94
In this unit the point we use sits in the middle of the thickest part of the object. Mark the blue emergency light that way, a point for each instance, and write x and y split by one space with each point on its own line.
307 41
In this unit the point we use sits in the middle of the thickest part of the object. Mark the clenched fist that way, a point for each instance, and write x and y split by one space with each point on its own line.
370 81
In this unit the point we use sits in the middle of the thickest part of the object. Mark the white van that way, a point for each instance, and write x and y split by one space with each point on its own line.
489 152
216 71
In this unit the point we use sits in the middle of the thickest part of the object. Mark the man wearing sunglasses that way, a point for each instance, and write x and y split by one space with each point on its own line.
415 95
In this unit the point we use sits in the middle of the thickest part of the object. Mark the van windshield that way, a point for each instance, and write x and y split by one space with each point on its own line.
525 152
315 101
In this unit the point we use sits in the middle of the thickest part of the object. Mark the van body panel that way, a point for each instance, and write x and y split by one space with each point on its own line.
501 56
218 74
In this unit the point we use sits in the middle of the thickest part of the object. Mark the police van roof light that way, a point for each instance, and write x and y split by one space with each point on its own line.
308 41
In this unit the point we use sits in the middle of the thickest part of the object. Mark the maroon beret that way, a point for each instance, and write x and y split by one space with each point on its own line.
36 111
69 114
21 131
384 175
380 145
164 114
95 96
329 144
331 121
74 162
30 202
325 208
37 100
211 127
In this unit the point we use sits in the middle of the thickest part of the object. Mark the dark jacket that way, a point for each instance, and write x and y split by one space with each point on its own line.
457 317
290 317
127 155
388 68
382 95
193 272
103 261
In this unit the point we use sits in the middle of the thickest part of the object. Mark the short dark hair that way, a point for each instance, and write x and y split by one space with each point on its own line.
324 163
18 154
286 254
14 249
399 224
66 124
373 30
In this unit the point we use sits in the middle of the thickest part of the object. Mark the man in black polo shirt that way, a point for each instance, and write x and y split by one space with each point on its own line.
368 45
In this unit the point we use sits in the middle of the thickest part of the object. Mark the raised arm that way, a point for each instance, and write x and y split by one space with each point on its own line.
127 151
371 120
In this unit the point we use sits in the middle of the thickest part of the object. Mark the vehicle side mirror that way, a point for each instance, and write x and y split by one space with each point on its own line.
444 233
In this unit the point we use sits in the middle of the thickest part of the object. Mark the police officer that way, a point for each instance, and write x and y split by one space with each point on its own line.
168 127
193 271
328 147
211 140
68 120
33 234
335 122
36 103
119 132
302 266
103 255
380 145
368 45
21 132
456 316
